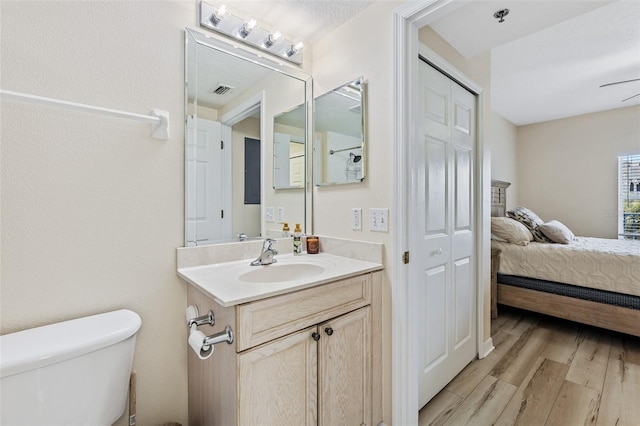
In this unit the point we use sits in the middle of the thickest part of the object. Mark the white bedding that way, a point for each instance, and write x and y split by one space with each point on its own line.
604 264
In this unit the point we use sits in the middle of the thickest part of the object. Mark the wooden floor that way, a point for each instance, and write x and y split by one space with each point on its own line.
544 371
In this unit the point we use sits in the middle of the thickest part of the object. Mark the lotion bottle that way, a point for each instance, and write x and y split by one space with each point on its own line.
297 240
285 230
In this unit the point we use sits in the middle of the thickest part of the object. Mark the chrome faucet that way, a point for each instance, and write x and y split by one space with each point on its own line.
266 257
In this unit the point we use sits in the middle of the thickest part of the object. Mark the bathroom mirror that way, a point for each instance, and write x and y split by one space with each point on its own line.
289 148
232 99
339 135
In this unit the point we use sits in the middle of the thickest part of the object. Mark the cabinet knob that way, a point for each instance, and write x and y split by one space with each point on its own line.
316 336
329 331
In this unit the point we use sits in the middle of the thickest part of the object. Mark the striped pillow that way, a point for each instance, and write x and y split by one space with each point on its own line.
531 220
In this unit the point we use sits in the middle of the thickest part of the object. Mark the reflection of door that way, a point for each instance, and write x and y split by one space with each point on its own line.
296 164
206 165
441 216
281 143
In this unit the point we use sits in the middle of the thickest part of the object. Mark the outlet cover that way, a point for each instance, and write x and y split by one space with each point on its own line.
356 219
280 214
268 212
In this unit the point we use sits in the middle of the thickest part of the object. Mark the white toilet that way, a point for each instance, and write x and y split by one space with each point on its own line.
70 373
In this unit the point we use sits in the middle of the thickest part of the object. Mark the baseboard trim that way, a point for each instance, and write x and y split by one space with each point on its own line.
487 348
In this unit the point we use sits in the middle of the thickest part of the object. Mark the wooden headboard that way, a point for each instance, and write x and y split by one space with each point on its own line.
499 197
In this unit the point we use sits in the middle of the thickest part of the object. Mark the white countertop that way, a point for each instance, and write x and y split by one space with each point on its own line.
223 282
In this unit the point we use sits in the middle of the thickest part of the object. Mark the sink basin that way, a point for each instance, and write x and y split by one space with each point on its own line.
281 272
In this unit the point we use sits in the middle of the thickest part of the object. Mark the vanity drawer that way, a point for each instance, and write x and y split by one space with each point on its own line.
264 320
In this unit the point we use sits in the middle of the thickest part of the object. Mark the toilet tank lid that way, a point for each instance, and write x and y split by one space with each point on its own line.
37 347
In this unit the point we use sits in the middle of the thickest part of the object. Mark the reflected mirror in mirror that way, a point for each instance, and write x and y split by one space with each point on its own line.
289 149
339 135
232 97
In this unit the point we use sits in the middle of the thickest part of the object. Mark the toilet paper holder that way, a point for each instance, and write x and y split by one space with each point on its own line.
209 318
223 336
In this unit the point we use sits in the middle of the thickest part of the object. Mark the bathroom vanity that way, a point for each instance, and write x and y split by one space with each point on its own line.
306 350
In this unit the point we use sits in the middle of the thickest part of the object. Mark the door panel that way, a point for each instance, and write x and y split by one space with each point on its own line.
436 187
286 371
442 239
462 320
345 365
206 166
435 317
463 189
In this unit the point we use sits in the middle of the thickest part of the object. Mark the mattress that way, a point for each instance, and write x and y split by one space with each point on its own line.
598 263
568 290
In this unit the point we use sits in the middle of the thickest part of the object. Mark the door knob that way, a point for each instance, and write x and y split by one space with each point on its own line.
436 252
329 331
316 336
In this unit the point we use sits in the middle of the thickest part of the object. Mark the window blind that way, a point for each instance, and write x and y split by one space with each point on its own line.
629 196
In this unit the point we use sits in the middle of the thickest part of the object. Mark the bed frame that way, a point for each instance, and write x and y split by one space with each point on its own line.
611 317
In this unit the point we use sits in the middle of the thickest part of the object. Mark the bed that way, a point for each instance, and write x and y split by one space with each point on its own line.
593 281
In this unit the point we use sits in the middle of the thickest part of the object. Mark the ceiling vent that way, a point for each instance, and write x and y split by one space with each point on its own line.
222 89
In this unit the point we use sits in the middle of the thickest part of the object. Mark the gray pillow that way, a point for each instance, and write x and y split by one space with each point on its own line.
557 232
531 221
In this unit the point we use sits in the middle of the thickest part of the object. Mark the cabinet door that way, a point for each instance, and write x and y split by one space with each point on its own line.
345 370
278 382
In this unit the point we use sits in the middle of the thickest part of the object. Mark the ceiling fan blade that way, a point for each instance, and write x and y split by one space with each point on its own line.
620 82
634 96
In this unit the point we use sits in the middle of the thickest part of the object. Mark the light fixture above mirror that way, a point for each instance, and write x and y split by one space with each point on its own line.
247 30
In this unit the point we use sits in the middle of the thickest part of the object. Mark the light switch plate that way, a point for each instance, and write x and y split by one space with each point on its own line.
280 214
379 220
356 219
268 212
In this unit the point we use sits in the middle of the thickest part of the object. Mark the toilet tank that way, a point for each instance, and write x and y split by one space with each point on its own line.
70 373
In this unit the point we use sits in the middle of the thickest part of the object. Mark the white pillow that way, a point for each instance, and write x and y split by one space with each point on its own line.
510 230
557 232
494 237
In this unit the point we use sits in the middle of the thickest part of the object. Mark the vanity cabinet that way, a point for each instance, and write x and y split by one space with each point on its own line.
309 357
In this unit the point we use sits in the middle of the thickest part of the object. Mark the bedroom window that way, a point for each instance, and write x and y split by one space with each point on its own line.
629 197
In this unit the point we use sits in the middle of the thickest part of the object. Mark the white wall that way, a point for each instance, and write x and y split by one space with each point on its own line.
92 206
504 155
363 47
567 169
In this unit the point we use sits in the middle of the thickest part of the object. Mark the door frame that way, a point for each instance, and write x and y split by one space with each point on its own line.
408 19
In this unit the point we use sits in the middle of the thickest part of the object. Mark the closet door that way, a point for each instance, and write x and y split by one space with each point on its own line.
441 239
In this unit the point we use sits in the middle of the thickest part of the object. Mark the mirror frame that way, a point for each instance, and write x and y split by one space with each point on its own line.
361 83
249 54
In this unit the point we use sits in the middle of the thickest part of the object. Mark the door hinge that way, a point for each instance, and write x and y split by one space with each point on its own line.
221 214
405 257
221 144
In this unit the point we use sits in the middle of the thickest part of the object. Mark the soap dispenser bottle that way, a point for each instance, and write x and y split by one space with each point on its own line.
297 240
285 230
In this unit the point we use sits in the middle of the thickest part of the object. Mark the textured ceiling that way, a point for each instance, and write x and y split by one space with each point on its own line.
307 20
548 59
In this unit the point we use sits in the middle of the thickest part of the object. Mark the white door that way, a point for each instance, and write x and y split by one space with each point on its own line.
281 142
441 272
207 167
